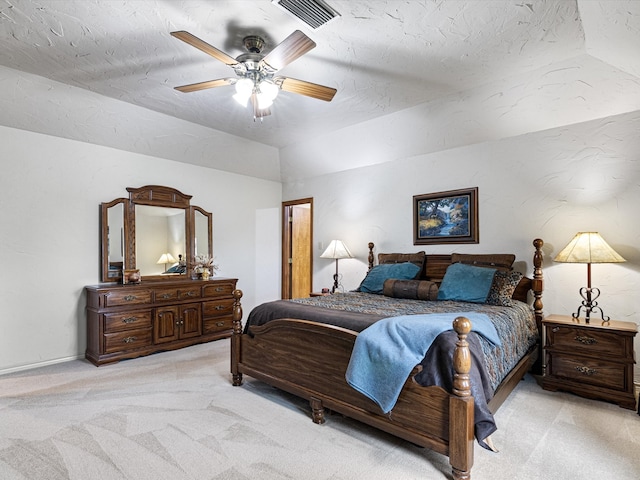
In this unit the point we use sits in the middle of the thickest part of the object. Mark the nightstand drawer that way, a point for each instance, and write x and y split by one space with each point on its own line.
584 370
576 339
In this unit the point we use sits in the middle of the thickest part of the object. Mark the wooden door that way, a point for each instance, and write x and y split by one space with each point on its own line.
297 248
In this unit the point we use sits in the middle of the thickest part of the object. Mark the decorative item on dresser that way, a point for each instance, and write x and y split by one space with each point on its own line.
151 309
593 360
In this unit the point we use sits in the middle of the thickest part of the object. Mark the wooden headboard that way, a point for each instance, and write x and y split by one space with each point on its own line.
435 266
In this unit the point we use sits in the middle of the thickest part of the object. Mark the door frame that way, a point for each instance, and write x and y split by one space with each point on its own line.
286 244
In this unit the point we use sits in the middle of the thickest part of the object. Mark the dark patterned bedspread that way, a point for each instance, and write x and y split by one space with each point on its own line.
515 325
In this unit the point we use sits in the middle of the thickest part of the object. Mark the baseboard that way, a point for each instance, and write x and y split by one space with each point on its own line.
31 366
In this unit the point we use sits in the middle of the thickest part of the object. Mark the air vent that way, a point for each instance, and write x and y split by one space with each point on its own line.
314 13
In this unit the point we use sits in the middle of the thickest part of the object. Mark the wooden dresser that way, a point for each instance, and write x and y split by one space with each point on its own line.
594 359
128 321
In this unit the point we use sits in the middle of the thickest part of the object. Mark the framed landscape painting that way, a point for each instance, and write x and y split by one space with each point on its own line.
446 217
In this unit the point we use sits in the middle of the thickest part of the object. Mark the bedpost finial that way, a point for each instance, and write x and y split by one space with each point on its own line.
462 325
538 243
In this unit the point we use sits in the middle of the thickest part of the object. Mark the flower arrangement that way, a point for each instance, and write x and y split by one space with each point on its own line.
204 263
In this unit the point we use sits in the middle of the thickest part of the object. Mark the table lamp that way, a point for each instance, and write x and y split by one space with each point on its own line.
589 247
166 258
336 249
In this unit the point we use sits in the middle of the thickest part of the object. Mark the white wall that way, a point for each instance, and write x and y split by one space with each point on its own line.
547 185
50 191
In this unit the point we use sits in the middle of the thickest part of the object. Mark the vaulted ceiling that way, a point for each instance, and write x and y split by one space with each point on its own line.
383 57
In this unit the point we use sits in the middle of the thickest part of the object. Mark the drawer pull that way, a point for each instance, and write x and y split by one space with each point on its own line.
220 324
129 320
220 289
128 298
586 370
586 340
129 339
220 307
191 294
166 295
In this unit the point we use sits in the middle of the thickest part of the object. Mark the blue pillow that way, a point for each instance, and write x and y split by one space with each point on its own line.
374 281
466 283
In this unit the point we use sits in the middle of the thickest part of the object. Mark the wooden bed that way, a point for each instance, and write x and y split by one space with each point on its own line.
309 359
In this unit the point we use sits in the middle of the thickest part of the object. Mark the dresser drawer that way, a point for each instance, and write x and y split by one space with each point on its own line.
585 341
219 308
121 297
116 322
218 289
213 325
128 340
166 294
588 371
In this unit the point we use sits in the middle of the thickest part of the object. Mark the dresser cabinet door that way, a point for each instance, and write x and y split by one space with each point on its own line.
166 325
190 321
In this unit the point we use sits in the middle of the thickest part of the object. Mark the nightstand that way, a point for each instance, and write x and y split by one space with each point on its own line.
594 360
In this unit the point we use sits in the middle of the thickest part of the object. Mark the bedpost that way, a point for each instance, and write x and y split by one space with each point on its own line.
371 257
236 338
461 420
537 285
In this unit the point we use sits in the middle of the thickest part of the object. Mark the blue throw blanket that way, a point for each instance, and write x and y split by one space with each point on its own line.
385 353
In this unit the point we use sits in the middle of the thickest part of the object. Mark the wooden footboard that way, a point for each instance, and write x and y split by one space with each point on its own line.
309 359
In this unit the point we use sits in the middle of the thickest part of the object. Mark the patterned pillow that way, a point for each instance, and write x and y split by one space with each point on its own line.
504 284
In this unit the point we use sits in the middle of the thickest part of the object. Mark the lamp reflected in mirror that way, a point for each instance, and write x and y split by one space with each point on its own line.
166 258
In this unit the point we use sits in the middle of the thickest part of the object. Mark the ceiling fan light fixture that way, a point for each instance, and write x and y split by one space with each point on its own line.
264 101
268 89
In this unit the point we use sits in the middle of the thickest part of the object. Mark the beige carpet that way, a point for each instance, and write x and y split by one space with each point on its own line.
176 416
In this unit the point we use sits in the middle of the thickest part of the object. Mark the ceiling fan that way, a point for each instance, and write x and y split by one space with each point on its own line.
256 79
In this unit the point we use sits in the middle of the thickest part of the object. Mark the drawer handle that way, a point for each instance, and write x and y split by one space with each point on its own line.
586 340
191 294
129 339
166 295
220 307
220 289
587 370
129 320
128 298
220 324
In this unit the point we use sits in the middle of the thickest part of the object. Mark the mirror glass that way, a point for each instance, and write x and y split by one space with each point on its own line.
201 238
115 240
159 231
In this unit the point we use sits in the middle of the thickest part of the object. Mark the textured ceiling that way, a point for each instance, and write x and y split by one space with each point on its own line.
381 56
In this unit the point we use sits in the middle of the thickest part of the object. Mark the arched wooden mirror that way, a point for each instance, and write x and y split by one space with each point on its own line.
156 230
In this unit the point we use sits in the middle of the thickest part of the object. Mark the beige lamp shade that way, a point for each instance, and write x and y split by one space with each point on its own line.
166 258
336 249
588 247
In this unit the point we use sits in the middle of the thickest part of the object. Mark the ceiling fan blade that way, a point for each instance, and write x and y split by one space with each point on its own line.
306 88
205 47
292 47
194 87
